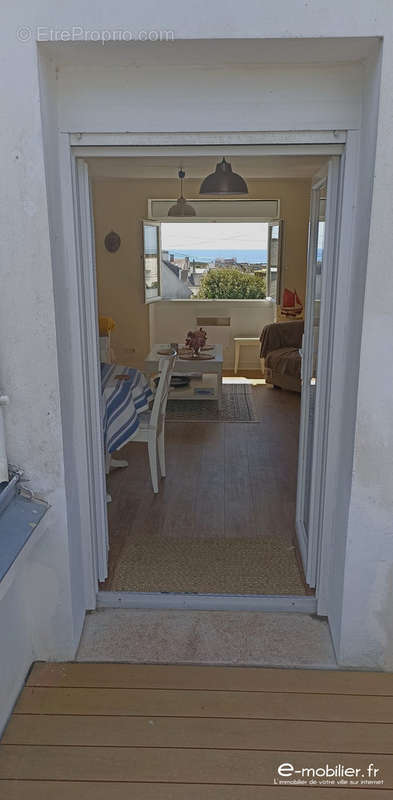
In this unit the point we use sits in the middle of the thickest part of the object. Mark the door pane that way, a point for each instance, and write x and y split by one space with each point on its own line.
151 250
274 261
314 309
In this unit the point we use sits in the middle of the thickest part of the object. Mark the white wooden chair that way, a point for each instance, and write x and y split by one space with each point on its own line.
152 424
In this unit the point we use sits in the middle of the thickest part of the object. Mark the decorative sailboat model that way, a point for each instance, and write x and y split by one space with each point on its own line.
292 306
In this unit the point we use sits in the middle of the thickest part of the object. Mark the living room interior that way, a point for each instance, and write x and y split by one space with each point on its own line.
222 521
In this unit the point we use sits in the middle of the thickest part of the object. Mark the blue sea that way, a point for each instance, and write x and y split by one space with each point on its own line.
242 256
248 256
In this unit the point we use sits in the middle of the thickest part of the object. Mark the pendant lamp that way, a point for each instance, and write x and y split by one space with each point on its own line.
223 181
181 207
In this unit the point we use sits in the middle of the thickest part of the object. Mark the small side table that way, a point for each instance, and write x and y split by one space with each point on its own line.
239 341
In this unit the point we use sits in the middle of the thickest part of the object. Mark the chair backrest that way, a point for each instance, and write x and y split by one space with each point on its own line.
162 391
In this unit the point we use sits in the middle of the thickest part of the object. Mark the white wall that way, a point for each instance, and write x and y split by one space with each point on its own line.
69 357
29 369
17 651
171 319
222 97
36 619
172 286
366 627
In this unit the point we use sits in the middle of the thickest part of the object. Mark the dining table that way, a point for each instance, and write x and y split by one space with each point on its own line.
125 395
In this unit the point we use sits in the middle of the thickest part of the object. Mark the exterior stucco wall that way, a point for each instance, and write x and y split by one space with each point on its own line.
29 367
367 627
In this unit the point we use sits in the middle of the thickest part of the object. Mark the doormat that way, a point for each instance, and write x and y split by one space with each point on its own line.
237 406
263 565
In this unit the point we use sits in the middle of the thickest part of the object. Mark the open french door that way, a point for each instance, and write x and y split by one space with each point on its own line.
151 236
316 366
274 260
91 369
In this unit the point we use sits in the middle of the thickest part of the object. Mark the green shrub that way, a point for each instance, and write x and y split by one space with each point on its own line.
232 284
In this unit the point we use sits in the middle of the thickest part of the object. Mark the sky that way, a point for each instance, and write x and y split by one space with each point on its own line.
214 235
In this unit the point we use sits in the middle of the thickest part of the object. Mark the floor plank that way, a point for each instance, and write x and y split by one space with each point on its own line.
74 790
201 703
163 764
235 734
146 676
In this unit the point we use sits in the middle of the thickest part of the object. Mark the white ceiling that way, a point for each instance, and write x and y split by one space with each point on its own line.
163 167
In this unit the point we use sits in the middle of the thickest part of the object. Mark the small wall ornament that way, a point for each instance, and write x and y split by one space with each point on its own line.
112 242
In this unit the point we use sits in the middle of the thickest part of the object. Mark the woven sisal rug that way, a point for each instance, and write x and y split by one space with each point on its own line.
266 565
237 406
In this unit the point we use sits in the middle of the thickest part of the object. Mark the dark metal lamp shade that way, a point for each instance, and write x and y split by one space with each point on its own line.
223 181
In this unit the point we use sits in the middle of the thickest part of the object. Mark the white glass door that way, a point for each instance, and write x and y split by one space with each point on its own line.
315 366
92 374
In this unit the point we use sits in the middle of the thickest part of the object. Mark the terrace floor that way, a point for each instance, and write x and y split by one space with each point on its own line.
120 731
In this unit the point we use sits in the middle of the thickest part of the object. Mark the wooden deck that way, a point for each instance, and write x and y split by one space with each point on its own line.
119 731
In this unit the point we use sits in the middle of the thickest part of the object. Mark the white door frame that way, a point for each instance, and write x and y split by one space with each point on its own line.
309 541
332 232
85 249
302 536
74 146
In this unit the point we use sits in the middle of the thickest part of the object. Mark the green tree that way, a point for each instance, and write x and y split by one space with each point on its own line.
232 284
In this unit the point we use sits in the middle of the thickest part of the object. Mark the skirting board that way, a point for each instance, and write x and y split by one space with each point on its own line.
207 602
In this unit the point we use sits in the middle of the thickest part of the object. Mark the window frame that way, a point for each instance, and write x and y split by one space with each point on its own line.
199 220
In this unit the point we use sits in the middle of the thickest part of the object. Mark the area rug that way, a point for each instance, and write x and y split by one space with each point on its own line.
157 563
237 406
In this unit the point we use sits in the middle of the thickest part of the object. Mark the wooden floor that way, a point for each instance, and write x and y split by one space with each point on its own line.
229 480
118 731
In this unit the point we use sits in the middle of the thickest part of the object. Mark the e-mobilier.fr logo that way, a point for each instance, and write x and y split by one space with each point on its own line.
328 775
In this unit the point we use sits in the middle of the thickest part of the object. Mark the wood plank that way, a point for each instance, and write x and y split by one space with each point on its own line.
196 703
207 733
208 506
132 676
179 490
238 507
74 790
174 765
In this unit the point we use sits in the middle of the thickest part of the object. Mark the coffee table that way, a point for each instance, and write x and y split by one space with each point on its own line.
207 383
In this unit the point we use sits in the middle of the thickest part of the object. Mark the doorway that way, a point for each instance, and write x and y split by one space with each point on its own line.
306 345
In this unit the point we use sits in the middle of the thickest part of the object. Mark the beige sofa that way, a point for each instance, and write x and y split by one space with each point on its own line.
280 345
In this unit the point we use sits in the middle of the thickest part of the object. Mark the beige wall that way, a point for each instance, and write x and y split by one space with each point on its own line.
119 205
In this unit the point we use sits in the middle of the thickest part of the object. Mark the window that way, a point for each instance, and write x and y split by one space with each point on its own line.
212 259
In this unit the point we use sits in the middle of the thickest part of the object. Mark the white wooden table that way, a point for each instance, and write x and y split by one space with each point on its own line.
206 387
